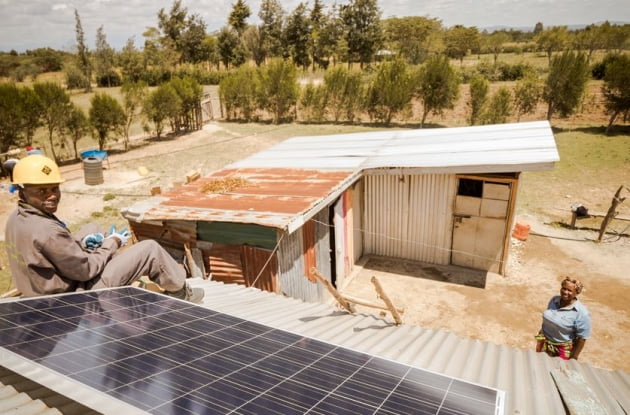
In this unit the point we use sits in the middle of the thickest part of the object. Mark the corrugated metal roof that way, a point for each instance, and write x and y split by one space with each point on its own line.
479 149
316 169
278 198
523 374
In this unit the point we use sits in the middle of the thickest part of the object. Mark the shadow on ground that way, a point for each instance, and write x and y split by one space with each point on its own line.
444 273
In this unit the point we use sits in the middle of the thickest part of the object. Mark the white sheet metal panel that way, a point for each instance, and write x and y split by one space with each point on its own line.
409 216
477 149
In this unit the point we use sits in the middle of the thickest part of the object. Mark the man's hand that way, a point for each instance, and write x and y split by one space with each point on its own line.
92 241
123 236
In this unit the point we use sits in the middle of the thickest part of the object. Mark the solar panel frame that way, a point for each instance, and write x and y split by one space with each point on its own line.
127 349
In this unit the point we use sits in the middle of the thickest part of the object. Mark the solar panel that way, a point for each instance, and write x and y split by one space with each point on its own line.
134 350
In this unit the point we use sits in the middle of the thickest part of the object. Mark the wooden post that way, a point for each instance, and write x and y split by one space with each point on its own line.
345 304
388 302
611 213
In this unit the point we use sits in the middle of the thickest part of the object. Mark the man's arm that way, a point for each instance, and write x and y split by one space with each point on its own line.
72 261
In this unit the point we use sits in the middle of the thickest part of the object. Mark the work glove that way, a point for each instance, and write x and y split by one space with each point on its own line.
92 241
123 235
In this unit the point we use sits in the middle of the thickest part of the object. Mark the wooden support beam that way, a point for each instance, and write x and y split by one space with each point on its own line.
611 212
194 261
385 298
367 303
345 304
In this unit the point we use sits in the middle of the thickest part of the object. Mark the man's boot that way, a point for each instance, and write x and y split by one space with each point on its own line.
187 293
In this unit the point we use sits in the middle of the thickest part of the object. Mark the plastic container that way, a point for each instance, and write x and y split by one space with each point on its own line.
93 171
521 231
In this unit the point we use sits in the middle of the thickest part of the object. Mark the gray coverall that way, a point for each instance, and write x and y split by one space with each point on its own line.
45 258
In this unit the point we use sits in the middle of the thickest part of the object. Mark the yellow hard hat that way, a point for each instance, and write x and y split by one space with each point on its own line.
36 169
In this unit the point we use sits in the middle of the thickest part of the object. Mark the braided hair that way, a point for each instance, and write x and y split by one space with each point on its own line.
578 285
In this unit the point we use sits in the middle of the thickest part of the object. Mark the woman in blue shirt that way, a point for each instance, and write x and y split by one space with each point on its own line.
566 323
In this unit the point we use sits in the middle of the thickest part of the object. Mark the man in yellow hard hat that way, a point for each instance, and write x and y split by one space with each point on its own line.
45 258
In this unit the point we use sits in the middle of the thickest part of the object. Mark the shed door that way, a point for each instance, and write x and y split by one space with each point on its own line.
479 224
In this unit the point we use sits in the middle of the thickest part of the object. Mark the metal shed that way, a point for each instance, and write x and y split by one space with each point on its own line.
442 196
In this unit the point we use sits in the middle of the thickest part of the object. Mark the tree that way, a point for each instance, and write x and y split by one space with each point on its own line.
271 16
56 109
229 46
48 60
252 40
319 48
499 107
438 86
590 39
238 93
344 92
278 88
238 16
189 92
551 40
134 94
538 28
185 34
495 43
84 63
527 94
479 87
106 116
460 40
616 89
363 33
11 116
104 61
77 126
412 37
391 91
566 83
297 35
131 62
31 109
161 105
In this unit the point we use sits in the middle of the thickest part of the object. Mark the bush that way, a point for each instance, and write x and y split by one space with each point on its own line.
238 93
598 70
507 72
109 80
313 103
201 75
75 78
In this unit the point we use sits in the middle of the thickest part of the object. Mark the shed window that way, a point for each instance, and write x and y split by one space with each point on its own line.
470 187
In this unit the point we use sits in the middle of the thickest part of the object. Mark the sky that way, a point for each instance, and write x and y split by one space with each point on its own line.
31 24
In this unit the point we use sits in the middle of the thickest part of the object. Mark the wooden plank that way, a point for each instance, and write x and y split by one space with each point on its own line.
345 304
577 396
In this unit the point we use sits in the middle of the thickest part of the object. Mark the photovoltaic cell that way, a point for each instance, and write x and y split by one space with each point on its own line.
165 356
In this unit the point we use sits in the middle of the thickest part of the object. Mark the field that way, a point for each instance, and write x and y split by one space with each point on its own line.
507 310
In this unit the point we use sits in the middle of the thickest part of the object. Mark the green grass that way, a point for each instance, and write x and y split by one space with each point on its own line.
592 166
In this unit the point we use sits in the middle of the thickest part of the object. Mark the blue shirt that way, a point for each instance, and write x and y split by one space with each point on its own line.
566 324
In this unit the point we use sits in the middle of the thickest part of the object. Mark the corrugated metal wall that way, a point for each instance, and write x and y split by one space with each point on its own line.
357 220
292 281
409 216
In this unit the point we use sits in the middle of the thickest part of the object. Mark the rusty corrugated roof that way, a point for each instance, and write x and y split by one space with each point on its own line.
273 197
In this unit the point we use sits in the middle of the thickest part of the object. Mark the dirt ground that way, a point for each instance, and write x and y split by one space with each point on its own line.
500 309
